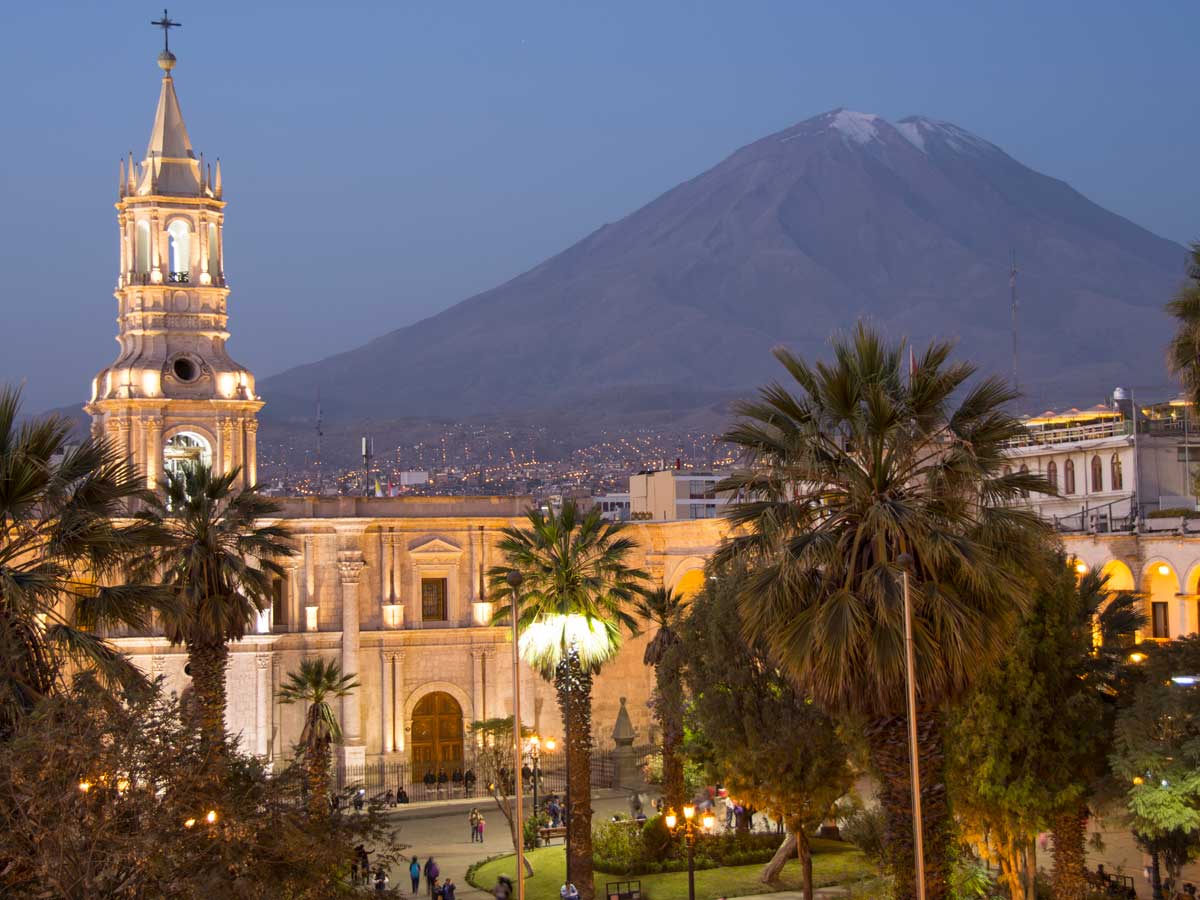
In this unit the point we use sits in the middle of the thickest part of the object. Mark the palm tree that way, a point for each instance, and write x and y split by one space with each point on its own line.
664 608
861 467
219 559
316 684
1104 624
571 609
1183 354
65 532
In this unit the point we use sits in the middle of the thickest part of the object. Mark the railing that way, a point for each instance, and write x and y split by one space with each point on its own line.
1101 519
1072 435
376 778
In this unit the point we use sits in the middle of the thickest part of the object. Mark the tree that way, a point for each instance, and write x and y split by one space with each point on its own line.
861 467
1030 740
1183 355
495 757
571 607
1156 754
104 797
219 557
663 609
774 749
316 684
65 536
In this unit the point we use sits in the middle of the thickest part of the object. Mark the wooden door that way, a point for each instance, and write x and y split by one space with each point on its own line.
437 735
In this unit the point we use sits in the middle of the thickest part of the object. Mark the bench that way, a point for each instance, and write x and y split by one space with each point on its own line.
548 834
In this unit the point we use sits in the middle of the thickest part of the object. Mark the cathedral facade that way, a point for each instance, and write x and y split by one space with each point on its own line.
391 588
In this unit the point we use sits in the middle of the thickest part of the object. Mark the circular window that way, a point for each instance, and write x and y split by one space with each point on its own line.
185 369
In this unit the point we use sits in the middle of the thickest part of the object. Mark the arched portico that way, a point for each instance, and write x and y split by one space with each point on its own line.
686 576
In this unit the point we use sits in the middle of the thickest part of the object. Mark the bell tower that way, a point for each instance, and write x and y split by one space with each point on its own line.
174 395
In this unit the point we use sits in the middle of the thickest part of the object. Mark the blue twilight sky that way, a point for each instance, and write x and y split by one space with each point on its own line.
383 161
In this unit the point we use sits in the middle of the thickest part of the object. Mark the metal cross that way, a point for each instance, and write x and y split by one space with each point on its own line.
166 24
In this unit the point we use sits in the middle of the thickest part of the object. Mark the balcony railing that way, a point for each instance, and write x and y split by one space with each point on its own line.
1072 434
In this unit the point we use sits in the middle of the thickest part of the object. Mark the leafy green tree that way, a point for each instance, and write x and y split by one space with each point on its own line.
495 756
663 609
104 797
572 604
65 538
219 557
1030 740
775 750
1156 757
316 683
1183 355
856 466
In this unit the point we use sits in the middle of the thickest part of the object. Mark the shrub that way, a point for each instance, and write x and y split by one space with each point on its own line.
864 828
531 826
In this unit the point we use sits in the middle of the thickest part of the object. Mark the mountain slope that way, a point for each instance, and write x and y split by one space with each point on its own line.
790 238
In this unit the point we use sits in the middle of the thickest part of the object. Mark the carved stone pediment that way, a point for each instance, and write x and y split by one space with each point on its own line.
434 547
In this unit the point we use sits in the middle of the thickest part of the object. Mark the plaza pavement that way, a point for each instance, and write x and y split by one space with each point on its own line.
440 829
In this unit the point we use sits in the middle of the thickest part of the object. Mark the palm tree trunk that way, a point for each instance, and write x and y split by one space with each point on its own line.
670 715
574 686
316 765
1069 881
208 663
888 741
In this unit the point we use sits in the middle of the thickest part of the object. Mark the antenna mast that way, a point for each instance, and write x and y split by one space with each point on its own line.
320 433
1012 287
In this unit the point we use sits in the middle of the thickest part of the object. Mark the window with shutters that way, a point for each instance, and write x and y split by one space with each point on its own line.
433 600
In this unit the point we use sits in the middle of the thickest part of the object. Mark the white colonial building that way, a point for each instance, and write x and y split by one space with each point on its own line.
392 588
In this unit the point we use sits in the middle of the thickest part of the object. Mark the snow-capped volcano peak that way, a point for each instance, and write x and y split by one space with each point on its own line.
859 127
919 131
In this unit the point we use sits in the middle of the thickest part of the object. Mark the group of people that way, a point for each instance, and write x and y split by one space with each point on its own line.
360 870
556 811
434 886
476 821
439 782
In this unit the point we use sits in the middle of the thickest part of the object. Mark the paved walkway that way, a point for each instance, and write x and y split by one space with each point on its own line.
441 829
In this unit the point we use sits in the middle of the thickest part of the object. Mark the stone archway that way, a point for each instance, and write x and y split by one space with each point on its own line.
436 740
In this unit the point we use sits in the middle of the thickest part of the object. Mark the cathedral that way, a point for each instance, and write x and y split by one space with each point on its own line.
391 588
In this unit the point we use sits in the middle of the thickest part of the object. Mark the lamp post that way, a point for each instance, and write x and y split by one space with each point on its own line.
910 672
514 579
690 830
535 756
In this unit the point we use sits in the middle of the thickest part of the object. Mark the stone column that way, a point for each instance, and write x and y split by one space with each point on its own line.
154 450
251 463
350 565
262 716
388 717
225 430
156 236
202 241
477 698
401 695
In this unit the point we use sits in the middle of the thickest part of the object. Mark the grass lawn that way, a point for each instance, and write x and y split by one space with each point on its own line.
834 862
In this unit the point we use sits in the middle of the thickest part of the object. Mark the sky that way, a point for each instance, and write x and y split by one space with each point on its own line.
384 161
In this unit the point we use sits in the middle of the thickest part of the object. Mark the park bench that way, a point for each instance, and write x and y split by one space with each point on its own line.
548 834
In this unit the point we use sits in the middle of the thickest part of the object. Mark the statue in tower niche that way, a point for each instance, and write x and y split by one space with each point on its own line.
174 396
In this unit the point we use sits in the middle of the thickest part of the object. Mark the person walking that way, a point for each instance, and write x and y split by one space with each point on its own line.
414 872
449 889
474 820
431 874
480 828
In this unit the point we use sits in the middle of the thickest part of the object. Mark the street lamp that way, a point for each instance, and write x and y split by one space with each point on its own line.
535 756
514 579
910 671
690 830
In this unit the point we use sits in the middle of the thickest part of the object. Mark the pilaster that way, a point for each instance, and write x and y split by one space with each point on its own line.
350 565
